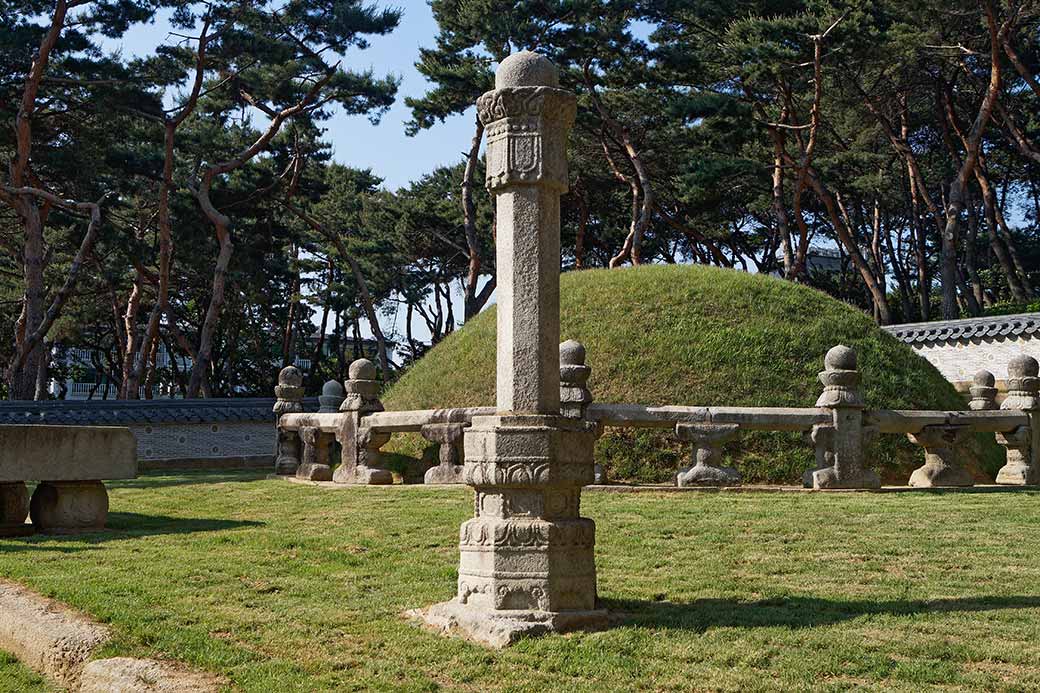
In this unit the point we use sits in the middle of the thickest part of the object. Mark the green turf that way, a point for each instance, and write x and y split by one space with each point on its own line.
15 678
695 335
283 587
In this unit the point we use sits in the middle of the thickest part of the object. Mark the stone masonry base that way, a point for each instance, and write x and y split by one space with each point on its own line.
497 628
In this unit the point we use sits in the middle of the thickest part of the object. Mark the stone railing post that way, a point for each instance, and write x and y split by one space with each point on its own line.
942 459
841 395
821 437
575 396
449 438
1023 444
360 457
316 464
331 398
983 392
706 454
526 561
288 400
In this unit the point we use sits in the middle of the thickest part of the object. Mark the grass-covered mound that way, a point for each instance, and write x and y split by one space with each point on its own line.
694 335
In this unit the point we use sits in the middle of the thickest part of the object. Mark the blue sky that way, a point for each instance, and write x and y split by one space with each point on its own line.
384 148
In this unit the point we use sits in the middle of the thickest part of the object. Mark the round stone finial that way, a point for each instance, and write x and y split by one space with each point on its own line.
840 358
332 389
290 375
983 378
362 369
526 69
572 353
1023 366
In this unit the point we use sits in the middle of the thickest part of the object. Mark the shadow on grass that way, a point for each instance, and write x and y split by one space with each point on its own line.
122 526
172 478
792 612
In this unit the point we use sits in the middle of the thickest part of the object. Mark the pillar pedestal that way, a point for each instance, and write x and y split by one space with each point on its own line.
527 563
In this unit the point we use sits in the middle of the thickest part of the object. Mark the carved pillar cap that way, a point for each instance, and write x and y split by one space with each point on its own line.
940 435
332 395
1023 384
289 391
840 380
362 389
983 392
527 117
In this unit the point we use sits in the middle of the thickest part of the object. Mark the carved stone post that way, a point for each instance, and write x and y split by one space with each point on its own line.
1023 444
331 398
359 462
822 439
526 559
316 464
449 436
706 454
289 400
942 459
575 396
842 397
983 392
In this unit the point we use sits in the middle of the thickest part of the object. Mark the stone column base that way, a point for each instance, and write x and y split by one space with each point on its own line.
829 478
69 507
444 474
14 508
497 628
1018 475
708 475
360 474
312 471
930 475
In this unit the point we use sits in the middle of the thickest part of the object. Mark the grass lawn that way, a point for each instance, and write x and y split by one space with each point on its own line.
15 678
283 587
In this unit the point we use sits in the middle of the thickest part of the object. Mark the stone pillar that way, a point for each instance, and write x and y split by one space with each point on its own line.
526 559
1023 444
575 396
331 398
822 439
983 392
449 438
360 458
69 507
14 508
942 459
316 464
289 400
706 454
841 395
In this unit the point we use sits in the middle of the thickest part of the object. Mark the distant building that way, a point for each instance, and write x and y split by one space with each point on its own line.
818 260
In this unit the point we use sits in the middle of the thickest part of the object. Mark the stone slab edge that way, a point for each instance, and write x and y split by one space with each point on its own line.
56 641
622 488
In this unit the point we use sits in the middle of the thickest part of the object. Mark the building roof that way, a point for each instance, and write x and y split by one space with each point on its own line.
154 411
944 331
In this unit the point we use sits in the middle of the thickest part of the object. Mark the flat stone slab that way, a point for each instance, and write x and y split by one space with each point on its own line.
127 675
66 453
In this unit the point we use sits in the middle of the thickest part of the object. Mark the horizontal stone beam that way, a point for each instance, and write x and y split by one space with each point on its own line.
913 421
751 418
66 453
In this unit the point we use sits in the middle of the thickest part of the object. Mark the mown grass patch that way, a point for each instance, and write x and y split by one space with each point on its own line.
284 587
16 678
695 335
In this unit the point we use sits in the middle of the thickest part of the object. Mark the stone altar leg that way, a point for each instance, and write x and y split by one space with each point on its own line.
942 465
526 562
316 464
14 508
706 454
842 397
449 436
69 507
1023 444
822 438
